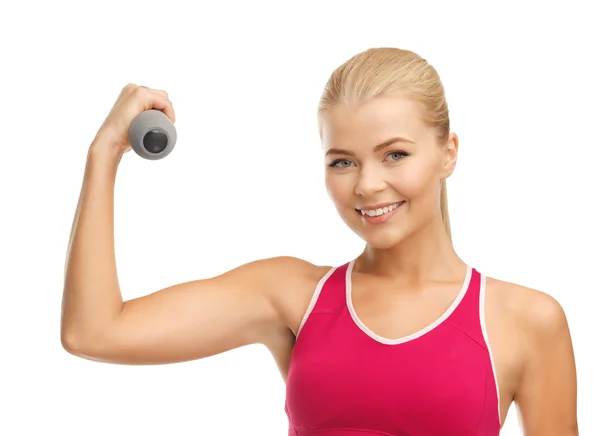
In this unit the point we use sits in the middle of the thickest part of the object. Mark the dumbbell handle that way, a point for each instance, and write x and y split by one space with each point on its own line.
152 135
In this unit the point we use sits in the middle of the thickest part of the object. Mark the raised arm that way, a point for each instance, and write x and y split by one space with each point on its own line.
183 322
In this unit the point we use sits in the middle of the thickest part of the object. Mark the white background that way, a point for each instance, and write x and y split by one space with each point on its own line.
245 180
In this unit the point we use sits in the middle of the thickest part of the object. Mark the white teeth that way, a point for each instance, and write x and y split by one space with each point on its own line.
381 211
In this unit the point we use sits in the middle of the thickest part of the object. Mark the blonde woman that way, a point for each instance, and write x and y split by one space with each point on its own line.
405 339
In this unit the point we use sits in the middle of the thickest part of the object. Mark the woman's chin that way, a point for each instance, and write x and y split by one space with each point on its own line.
382 238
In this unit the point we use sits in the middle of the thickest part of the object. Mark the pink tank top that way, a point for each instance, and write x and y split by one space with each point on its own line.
345 380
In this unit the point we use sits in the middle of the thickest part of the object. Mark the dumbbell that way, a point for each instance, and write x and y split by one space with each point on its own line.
152 135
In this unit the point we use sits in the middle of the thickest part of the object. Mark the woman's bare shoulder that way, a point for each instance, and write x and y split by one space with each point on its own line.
290 270
532 325
534 310
295 273
294 281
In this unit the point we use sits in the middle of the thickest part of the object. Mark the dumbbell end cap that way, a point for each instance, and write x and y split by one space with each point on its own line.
155 141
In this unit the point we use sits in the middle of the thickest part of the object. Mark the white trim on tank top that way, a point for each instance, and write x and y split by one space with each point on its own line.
413 336
482 291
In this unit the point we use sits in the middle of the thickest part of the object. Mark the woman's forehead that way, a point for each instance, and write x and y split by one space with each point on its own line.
372 122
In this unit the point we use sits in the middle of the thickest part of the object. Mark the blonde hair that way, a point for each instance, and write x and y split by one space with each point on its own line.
387 71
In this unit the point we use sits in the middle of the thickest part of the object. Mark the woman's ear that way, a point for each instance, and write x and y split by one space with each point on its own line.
450 155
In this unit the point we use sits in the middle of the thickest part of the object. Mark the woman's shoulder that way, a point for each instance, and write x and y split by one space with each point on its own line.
290 268
533 349
532 310
292 282
288 278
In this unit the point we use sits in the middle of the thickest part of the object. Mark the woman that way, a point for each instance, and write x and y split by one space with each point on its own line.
404 339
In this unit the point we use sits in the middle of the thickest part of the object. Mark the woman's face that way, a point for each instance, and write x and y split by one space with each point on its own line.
384 168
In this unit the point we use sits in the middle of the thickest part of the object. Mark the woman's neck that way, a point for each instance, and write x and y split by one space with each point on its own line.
421 257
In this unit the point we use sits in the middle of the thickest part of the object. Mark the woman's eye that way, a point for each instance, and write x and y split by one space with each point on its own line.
397 155
340 163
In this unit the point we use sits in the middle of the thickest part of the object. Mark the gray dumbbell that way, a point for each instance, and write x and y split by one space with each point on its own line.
152 135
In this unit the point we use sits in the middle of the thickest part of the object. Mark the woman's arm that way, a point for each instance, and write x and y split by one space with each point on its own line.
546 397
182 322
